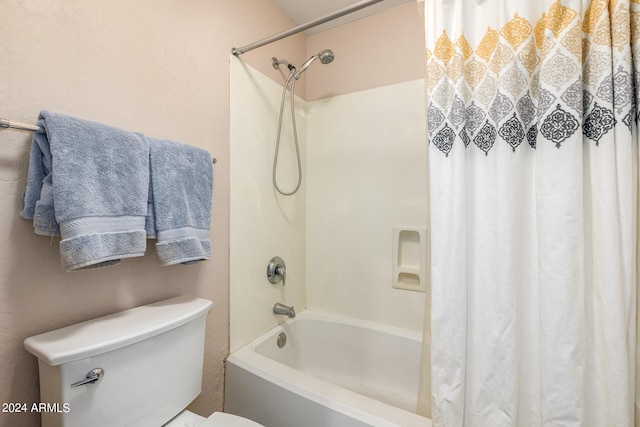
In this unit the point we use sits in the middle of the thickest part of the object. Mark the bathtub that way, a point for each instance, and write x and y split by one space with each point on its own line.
332 372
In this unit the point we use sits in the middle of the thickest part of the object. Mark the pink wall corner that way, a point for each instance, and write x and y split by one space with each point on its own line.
376 51
292 49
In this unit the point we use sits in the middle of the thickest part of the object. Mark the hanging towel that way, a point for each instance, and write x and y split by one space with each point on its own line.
179 213
37 199
89 183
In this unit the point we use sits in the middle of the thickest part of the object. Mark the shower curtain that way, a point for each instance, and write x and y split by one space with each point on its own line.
533 157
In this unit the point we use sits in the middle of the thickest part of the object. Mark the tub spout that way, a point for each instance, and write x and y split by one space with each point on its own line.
283 309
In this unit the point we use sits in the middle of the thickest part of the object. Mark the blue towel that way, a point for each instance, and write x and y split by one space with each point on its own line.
179 213
38 195
88 182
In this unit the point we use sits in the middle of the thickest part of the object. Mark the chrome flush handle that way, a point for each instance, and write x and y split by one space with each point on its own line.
93 376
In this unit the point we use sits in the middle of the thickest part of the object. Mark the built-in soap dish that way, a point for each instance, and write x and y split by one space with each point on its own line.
410 258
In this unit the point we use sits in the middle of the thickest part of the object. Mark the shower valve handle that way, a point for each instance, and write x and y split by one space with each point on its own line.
280 271
277 271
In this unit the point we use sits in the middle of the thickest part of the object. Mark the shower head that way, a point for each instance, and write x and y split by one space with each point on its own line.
326 56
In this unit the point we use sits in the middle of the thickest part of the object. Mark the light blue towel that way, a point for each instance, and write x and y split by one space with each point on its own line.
180 196
38 196
89 183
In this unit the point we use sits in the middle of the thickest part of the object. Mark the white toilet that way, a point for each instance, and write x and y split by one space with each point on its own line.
137 368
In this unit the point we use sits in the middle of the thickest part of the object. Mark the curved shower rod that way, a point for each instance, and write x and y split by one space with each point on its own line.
237 51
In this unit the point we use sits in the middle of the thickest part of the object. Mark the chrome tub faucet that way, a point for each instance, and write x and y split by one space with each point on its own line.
283 309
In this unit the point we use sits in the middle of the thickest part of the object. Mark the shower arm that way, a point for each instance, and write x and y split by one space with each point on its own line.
275 63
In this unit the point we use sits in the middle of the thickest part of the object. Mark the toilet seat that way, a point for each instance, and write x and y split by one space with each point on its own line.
221 419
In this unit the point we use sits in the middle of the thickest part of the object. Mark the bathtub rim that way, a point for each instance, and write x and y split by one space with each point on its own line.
369 410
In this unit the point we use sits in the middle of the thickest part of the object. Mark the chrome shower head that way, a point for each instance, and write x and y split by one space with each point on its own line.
326 56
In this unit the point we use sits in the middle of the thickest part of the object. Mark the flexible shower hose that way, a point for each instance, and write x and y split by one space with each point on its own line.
291 80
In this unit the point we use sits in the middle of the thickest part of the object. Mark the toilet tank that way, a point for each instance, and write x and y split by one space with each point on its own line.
151 357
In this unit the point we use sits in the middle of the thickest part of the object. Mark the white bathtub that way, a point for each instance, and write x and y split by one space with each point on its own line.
332 372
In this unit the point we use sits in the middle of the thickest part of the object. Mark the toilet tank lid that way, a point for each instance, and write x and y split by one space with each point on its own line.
114 331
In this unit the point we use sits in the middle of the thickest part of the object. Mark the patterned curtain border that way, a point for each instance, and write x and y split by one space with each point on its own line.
546 79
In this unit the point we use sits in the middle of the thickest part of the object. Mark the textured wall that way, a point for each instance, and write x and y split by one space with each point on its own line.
159 67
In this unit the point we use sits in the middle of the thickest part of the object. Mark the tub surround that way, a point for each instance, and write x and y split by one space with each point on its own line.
366 174
264 224
364 142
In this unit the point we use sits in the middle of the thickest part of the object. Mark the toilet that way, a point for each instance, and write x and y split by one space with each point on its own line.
136 368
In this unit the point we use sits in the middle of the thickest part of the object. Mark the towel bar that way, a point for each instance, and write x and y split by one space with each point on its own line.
9 124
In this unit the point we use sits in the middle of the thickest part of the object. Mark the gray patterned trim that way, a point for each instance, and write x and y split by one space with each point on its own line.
444 139
599 121
559 125
486 137
512 132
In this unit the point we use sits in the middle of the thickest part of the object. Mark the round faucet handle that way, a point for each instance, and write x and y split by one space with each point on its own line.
280 271
276 271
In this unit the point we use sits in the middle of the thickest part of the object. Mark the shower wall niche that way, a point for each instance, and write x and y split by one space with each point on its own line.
409 262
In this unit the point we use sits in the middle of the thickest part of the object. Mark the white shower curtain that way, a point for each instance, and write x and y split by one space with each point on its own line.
533 179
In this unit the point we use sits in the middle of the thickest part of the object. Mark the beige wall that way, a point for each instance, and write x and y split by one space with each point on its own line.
159 67
372 52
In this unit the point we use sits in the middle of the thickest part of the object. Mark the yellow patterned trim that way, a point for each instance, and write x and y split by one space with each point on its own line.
602 33
620 31
444 49
592 15
434 74
488 44
572 41
561 21
455 70
529 57
559 17
516 31
465 47
539 29
524 78
501 57
474 72
635 26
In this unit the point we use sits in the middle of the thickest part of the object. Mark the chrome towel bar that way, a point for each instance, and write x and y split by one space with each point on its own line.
10 124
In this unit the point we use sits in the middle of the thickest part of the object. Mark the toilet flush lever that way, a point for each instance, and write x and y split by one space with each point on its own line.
93 376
